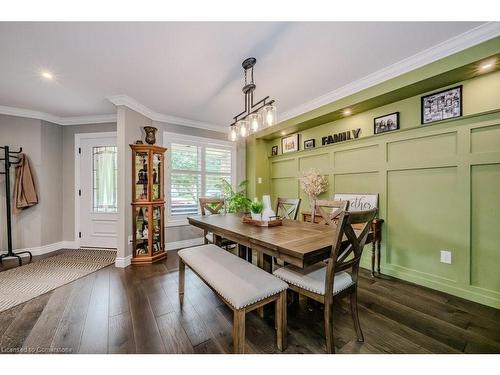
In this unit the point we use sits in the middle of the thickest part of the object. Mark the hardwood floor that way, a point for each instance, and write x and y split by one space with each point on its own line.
136 310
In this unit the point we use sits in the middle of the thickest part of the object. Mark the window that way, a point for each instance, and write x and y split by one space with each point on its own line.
104 176
196 167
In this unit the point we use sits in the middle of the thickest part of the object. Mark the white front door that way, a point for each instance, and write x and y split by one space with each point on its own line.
98 192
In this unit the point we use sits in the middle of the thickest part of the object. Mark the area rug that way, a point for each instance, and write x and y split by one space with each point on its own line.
20 284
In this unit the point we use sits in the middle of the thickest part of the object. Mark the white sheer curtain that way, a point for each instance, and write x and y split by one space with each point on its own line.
105 179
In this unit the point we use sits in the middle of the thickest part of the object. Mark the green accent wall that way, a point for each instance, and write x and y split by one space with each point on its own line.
438 185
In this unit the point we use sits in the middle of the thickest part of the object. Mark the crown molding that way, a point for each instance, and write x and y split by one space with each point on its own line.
456 44
77 120
127 101
22 112
97 119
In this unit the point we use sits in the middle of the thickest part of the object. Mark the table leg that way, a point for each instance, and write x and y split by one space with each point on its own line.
378 256
217 240
249 254
268 263
242 250
260 264
373 258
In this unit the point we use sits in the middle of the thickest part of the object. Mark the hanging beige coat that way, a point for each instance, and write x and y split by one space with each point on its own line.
25 194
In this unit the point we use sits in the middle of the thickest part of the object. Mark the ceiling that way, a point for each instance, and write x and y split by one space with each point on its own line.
192 70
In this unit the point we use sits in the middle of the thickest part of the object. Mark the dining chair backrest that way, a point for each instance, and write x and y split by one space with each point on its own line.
348 244
212 205
288 208
329 211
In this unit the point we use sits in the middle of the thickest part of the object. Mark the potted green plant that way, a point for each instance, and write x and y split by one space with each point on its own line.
235 201
256 208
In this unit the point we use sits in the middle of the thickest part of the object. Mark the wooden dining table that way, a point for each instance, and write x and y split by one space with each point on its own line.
295 242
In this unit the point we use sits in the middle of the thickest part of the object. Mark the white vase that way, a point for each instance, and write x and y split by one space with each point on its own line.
256 216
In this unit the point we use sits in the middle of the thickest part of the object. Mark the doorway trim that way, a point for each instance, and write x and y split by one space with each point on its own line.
78 138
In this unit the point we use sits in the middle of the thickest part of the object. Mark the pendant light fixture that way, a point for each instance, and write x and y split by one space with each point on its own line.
256 116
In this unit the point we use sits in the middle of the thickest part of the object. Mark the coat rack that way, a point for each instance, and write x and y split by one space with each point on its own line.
7 162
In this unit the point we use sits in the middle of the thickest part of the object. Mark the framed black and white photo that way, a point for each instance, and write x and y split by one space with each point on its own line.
290 143
274 151
310 143
442 105
386 123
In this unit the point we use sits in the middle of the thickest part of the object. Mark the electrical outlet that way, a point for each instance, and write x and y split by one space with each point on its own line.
259 180
130 239
446 256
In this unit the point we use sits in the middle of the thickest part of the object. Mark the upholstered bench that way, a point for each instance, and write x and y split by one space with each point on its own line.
241 285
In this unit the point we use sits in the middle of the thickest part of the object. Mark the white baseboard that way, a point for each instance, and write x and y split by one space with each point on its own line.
45 249
119 262
183 244
123 262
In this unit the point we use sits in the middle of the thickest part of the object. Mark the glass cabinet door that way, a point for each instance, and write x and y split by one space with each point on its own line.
141 176
141 235
157 177
157 229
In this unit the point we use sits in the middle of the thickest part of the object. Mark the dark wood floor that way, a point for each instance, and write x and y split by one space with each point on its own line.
136 310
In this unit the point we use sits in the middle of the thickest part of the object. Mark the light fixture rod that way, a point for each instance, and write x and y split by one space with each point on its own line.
248 89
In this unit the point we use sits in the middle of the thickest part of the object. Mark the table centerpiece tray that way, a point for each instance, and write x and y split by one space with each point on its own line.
274 222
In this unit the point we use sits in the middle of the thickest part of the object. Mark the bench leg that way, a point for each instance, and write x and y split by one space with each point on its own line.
182 272
239 332
281 321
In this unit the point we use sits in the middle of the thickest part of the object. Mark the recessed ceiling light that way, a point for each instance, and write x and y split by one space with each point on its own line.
487 65
346 112
283 132
47 75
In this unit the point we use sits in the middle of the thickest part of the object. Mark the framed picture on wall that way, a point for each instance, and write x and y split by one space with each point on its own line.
442 105
274 151
290 143
310 143
386 123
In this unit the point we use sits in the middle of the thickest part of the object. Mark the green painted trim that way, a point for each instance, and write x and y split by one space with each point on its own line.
454 121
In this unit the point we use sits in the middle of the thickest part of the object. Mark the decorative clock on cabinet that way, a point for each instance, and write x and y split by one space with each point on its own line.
148 204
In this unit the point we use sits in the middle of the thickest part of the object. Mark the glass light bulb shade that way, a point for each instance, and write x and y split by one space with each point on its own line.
255 121
270 115
242 128
233 133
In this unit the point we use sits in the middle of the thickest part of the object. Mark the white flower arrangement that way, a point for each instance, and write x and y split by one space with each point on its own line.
313 183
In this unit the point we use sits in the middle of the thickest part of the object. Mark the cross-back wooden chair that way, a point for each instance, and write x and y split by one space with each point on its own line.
328 210
212 206
325 282
288 208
